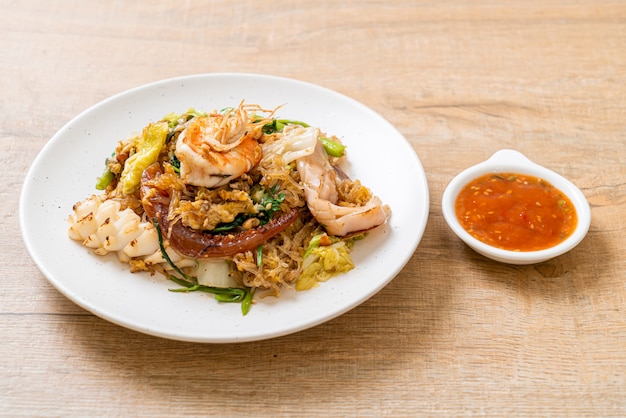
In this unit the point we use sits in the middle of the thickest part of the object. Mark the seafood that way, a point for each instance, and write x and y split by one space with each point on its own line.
220 147
104 226
196 243
237 200
320 181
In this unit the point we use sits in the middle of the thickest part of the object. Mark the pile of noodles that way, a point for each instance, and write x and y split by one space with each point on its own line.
282 255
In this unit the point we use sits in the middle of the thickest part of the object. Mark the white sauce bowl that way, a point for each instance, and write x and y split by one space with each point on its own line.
510 161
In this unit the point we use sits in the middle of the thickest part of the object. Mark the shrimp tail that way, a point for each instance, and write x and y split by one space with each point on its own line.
193 243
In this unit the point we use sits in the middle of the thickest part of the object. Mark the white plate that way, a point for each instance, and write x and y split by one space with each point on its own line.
66 169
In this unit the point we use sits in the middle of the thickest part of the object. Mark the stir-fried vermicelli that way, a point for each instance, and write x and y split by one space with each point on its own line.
228 202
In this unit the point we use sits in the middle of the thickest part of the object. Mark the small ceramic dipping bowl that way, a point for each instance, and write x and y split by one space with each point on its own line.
510 161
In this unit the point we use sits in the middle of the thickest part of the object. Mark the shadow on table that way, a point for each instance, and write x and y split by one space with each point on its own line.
401 326
419 321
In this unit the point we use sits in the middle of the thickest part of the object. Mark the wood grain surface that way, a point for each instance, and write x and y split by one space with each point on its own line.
454 334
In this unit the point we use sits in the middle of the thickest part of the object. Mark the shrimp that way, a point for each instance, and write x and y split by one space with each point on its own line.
218 148
319 179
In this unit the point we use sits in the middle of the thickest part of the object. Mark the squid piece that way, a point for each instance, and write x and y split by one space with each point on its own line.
319 178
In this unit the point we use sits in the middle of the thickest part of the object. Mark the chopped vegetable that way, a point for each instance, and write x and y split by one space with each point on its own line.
212 272
149 146
333 148
297 142
246 303
317 240
324 262
173 119
259 256
277 125
270 204
175 163
267 203
107 175
190 284
106 179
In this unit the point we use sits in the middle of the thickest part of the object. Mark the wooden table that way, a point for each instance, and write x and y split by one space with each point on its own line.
454 334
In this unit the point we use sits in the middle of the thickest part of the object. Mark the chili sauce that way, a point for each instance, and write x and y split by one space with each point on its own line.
515 212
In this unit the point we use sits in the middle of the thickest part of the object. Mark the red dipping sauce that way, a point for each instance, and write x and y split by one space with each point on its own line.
515 212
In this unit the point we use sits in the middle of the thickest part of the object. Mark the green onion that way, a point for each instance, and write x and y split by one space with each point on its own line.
222 294
259 256
166 255
277 125
333 148
246 303
180 282
106 179
190 284
292 122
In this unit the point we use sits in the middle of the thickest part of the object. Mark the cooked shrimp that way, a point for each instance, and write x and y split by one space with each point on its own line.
320 189
218 148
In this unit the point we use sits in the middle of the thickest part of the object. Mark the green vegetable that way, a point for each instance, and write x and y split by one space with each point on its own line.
175 163
148 147
267 203
190 284
317 240
259 256
277 125
106 179
222 294
270 204
229 226
314 243
173 119
246 303
333 148
107 175
324 262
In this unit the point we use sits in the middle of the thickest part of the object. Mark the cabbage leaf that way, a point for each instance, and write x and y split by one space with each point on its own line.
324 262
148 146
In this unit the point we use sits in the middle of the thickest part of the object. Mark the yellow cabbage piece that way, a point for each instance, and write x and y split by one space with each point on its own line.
324 262
148 146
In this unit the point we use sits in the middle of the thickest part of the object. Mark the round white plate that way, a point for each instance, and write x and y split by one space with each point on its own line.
66 169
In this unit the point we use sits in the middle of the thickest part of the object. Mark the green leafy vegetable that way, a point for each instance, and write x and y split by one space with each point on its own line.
317 240
324 262
270 204
148 146
175 163
325 257
229 226
190 284
267 203
173 119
